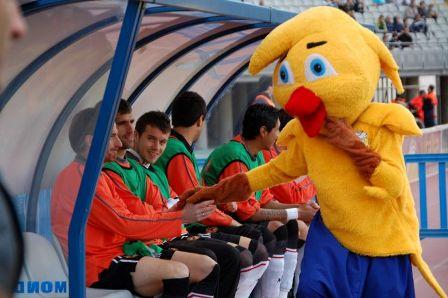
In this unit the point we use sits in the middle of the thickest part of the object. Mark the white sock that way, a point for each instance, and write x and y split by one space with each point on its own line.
299 264
270 282
248 279
288 273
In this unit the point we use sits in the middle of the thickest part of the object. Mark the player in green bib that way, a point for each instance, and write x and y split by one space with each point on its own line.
243 153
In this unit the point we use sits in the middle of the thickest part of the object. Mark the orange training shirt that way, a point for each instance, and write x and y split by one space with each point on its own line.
292 192
111 223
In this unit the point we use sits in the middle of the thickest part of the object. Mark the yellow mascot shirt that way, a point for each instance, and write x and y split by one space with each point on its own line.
373 218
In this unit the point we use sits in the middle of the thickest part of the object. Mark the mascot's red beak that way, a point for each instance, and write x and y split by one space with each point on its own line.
309 108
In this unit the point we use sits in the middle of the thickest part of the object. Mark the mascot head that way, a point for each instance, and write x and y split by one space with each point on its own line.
329 66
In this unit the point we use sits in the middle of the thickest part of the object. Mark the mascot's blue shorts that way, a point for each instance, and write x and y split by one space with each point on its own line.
330 270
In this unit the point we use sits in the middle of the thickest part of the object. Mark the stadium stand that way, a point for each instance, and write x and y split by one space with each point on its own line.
426 51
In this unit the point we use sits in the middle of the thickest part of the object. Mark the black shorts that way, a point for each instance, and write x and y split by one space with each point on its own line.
243 230
118 276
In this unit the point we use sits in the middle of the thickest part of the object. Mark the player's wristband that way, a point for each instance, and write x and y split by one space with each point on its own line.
292 213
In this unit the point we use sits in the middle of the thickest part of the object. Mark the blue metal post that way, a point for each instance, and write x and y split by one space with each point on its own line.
422 185
109 106
442 194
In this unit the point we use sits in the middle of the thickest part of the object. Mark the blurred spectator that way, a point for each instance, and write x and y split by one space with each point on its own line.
416 104
393 42
341 5
432 94
431 12
398 24
400 100
428 112
430 103
389 24
422 9
359 6
381 24
419 25
264 96
350 5
405 38
407 22
411 10
261 3
386 38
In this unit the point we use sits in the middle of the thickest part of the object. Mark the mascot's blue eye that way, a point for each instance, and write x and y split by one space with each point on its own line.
285 75
318 67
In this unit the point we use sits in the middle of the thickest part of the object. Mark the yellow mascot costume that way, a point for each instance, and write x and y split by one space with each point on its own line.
365 236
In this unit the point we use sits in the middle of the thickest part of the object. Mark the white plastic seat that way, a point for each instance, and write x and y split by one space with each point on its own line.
90 292
42 265
58 248
45 266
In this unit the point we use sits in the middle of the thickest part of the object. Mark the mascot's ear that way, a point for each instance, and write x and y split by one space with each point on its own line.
388 64
278 42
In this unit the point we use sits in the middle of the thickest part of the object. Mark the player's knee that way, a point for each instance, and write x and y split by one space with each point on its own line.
246 258
269 241
205 265
178 270
281 235
259 252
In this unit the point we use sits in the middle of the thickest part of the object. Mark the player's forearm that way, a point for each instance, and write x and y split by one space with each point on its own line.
273 204
270 214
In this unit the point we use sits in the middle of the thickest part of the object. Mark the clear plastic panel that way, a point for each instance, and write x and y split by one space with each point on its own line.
31 112
51 26
150 55
46 92
162 89
61 152
220 123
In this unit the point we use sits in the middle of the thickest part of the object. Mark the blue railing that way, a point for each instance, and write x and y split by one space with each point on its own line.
422 160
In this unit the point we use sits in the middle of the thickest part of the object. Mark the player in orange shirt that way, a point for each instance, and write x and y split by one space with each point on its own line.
112 226
432 95
417 103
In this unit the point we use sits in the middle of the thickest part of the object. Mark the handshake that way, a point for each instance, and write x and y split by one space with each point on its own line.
197 204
